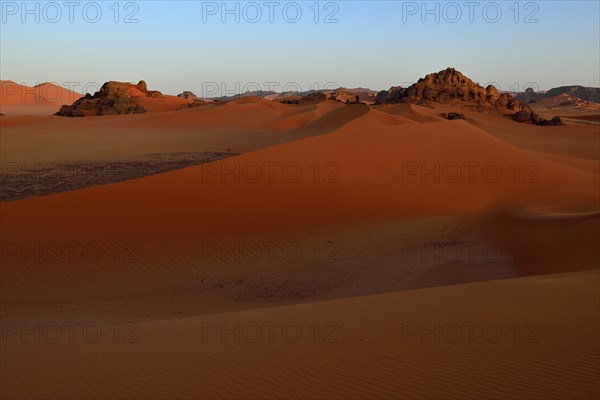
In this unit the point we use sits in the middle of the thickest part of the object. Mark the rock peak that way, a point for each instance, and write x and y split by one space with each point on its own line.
450 85
447 76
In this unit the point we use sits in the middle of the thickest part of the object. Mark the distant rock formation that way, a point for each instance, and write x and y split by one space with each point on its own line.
576 94
113 98
188 95
584 93
345 95
448 85
312 97
394 95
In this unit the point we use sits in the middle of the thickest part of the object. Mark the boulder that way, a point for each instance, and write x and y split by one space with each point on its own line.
193 104
455 115
522 116
154 94
556 121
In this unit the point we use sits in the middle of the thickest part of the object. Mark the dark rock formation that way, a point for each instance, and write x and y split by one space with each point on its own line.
113 98
526 116
312 97
556 121
454 115
523 116
448 85
394 95
355 101
193 104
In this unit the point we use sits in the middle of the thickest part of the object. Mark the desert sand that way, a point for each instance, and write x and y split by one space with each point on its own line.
366 221
518 338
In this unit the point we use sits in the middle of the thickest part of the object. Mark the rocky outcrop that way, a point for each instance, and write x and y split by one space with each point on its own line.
122 89
448 85
556 121
187 95
113 98
394 95
453 115
154 94
522 116
312 97
526 116
101 106
193 104
356 100
142 86
345 95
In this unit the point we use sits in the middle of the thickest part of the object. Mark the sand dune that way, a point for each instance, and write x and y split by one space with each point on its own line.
43 99
365 154
520 338
240 127
377 200
551 241
329 182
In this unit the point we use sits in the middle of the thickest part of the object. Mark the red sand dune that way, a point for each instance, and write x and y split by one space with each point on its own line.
366 170
367 176
367 157
533 337
42 99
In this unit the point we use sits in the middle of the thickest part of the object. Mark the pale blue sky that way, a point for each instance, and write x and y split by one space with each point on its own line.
374 44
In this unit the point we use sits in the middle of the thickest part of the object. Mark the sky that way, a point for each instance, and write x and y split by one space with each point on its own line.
224 48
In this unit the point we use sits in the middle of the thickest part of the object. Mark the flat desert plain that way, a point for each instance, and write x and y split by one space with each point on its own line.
255 249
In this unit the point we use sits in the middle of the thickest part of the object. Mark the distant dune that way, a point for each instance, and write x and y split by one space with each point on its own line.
42 99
